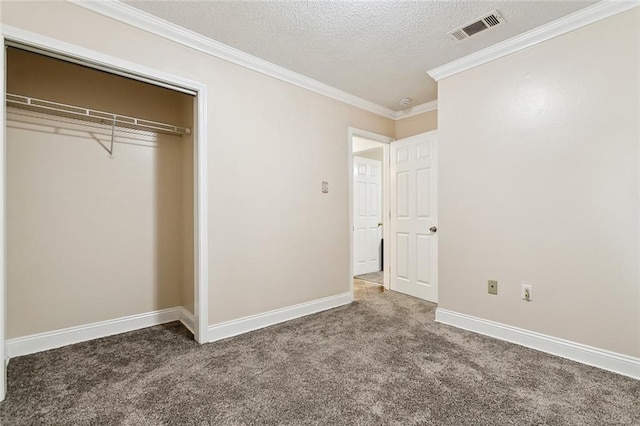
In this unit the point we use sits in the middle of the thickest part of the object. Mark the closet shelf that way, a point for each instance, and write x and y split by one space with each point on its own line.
91 115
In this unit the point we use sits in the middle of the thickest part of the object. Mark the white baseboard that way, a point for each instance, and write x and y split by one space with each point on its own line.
67 336
611 361
255 322
188 319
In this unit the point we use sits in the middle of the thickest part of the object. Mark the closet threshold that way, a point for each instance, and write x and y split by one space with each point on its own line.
94 116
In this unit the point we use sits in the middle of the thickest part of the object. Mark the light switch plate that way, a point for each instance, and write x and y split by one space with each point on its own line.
492 287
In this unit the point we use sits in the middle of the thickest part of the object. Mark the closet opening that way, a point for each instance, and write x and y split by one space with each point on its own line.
99 202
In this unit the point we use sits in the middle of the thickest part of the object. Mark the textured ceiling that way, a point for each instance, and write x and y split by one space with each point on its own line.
377 50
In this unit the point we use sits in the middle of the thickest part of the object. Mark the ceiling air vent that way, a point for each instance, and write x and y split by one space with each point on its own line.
474 27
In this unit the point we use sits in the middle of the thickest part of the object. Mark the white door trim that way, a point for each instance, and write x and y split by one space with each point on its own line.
352 131
3 290
200 162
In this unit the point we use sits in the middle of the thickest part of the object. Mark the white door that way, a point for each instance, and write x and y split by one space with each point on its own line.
414 214
367 214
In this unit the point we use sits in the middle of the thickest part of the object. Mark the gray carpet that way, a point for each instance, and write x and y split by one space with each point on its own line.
374 277
378 361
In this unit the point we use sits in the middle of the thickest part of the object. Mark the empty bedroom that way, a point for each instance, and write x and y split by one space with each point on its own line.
320 212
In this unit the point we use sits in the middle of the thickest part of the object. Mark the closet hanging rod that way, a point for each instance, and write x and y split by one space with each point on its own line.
95 116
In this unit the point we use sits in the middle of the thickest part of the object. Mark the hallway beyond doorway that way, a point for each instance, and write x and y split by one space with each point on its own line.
363 289
372 277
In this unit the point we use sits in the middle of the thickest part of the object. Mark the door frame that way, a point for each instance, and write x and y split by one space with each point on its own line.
119 66
385 141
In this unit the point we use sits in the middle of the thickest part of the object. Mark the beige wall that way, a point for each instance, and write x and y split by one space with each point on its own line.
539 185
275 240
29 74
91 238
363 144
372 154
417 124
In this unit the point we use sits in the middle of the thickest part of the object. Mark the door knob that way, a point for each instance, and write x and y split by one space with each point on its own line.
379 223
433 229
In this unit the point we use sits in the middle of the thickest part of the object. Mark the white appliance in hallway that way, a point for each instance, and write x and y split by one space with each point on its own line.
367 214
413 202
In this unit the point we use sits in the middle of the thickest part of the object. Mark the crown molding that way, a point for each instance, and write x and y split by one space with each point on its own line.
579 19
137 18
418 109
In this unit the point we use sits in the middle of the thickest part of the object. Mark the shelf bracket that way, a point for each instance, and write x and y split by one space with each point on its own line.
113 134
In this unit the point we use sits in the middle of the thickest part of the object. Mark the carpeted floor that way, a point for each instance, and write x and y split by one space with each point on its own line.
382 360
374 277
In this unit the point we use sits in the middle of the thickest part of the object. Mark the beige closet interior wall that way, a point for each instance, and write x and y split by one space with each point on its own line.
416 124
91 238
538 184
275 240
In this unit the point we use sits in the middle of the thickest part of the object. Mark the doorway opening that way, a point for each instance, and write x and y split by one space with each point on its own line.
408 241
369 159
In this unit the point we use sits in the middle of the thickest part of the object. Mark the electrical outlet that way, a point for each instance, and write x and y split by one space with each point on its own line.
492 287
527 292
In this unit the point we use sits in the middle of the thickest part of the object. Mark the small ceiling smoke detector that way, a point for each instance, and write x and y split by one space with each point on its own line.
405 102
485 22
